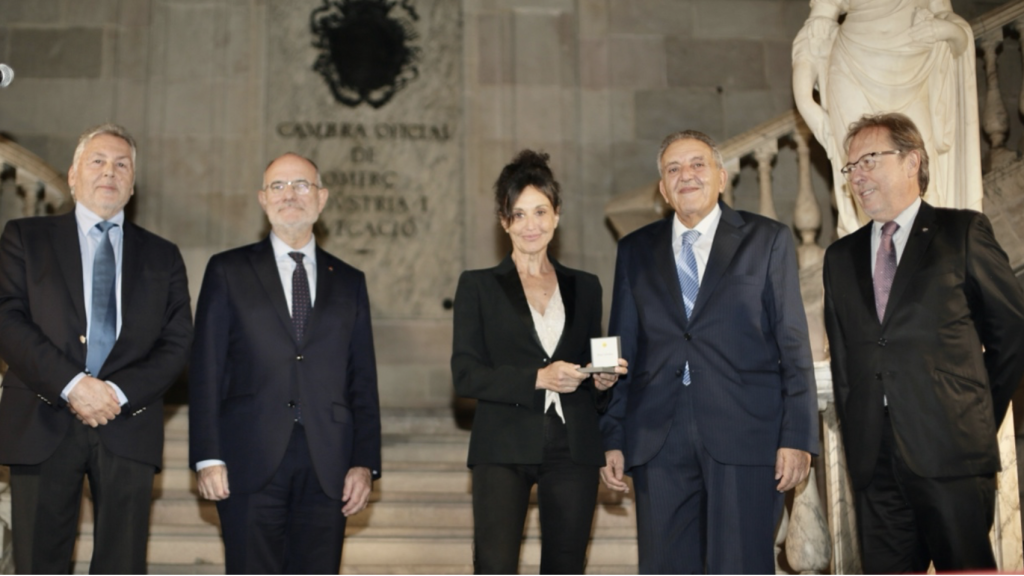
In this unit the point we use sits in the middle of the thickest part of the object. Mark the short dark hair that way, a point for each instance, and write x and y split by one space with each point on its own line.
528 168
903 134
690 135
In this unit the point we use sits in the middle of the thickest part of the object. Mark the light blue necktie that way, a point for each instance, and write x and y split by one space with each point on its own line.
103 323
689 281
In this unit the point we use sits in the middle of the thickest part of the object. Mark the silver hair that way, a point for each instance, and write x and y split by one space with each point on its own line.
690 135
106 128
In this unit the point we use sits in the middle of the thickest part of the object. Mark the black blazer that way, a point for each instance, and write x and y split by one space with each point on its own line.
953 293
42 338
495 357
746 341
246 362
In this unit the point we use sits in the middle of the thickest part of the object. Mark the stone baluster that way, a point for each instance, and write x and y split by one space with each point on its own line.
807 217
781 532
994 119
807 541
732 168
764 154
1018 25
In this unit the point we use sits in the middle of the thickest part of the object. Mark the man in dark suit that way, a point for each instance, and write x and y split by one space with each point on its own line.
283 388
95 323
718 415
925 324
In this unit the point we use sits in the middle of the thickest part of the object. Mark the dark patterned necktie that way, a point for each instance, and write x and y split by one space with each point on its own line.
103 321
302 303
885 268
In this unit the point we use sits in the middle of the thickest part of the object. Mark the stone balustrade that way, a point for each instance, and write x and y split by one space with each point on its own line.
28 185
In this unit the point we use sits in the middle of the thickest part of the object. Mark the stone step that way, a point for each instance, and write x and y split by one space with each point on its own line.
425 510
429 547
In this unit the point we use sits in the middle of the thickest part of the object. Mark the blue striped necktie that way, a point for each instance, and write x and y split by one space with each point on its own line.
103 321
689 281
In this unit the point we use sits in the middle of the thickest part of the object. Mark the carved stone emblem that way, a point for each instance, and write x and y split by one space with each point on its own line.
367 48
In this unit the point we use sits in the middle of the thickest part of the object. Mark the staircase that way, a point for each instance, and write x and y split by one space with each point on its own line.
419 520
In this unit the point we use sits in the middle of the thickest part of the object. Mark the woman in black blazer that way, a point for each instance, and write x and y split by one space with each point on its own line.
522 329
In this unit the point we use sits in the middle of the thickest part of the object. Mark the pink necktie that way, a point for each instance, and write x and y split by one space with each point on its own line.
885 268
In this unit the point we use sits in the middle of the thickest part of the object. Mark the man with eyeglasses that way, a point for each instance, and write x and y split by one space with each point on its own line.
284 415
925 324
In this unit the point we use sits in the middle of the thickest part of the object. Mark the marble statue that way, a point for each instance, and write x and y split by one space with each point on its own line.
909 56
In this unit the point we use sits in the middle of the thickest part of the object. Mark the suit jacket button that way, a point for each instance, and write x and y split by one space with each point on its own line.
878 375
547 360
81 339
291 404
679 373
299 357
687 336
882 342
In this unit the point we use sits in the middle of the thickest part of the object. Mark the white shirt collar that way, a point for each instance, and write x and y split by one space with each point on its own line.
281 249
707 224
87 219
905 219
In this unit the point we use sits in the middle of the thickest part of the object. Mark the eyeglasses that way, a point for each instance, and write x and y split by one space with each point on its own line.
300 187
867 162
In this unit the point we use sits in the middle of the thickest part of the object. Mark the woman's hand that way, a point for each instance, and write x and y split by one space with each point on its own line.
561 377
604 381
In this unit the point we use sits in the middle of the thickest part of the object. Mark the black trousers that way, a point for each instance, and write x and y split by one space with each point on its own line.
906 521
696 515
289 527
46 499
566 497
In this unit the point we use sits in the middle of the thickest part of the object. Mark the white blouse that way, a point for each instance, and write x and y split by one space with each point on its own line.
549 328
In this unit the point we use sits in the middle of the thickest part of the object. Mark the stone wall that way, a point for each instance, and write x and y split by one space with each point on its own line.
206 86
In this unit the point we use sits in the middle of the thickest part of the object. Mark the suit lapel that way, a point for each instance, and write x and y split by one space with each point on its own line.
727 241
131 269
921 234
665 262
262 258
508 279
69 257
324 275
860 250
567 287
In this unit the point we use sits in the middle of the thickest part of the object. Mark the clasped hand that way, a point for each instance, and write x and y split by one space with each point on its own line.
93 402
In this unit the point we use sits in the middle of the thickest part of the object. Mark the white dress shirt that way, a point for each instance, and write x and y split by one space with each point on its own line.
899 238
702 247
549 326
87 242
286 266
